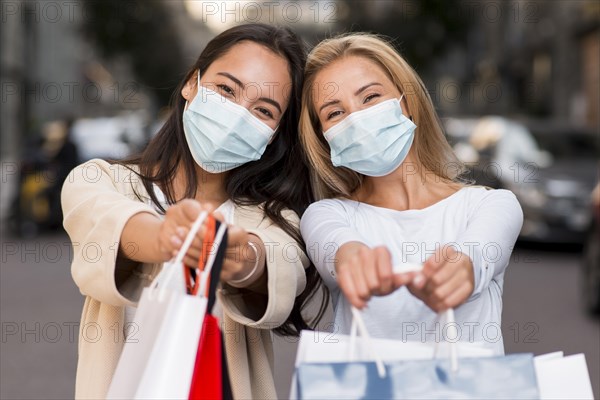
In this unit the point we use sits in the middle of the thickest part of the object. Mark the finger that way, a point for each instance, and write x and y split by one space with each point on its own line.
194 252
440 293
384 270
416 290
165 253
359 265
175 242
190 262
182 234
346 282
455 299
404 279
433 263
232 270
460 296
369 270
440 277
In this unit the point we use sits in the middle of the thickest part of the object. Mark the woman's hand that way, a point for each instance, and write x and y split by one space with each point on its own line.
174 228
241 257
447 280
363 272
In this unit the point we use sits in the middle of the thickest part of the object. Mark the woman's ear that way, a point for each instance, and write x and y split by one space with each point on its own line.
190 88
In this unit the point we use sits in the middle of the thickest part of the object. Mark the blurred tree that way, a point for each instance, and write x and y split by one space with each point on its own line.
422 30
141 32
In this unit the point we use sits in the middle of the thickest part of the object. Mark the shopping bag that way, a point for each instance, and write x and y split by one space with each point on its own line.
506 377
210 379
450 377
562 377
170 368
155 302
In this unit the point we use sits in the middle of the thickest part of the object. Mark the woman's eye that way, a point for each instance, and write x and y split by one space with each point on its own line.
371 97
266 112
333 114
226 89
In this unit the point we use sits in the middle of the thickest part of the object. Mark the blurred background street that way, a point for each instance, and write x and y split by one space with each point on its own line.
516 84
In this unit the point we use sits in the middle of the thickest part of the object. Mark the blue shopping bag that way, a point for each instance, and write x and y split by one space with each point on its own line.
506 377
497 377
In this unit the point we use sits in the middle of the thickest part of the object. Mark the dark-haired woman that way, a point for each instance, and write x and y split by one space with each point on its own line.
230 144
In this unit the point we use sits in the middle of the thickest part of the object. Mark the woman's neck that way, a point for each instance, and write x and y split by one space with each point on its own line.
210 187
410 187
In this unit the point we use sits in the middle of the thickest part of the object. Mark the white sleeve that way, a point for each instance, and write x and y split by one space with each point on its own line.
325 227
494 223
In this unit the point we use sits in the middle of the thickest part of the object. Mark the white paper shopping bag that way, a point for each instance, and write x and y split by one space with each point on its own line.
148 319
562 377
160 363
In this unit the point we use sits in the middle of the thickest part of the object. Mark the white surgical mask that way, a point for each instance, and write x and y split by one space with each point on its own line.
221 134
374 141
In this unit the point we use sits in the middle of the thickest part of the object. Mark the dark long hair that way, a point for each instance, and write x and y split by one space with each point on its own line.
279 179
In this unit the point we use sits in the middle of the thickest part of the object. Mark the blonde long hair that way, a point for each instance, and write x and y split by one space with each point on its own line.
432 151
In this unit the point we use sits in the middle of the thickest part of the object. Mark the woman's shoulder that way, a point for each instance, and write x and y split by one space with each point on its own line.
124 178
331 207
486 193
483 197
95 167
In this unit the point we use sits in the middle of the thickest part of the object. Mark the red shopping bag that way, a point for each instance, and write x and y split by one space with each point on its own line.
211 378
207 382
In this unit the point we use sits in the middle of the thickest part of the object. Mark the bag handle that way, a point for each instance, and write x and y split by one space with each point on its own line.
207 244
448 318
358 324
210 275
170 273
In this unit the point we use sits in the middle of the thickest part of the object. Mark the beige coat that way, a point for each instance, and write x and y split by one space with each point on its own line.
98 198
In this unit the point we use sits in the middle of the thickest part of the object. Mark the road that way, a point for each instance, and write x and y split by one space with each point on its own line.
40 309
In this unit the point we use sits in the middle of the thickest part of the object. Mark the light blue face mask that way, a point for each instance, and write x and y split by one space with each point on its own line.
222 135
374 141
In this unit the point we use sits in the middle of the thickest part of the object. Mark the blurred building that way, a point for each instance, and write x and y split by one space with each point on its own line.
536 58
49 71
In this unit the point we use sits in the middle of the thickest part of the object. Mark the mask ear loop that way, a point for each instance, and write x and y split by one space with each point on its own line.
400 101
197 89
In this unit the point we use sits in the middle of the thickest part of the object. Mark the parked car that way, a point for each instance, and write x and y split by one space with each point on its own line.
550 168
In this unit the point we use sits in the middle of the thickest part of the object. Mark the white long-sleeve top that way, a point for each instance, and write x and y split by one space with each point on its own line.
480 223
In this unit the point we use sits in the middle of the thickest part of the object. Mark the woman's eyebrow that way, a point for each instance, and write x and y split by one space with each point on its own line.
233 78
359 91
368 85
328 103
239 83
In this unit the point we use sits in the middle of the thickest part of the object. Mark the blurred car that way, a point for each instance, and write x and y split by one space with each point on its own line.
111 137
550 168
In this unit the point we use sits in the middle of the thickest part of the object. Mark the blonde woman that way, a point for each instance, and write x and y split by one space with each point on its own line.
390 197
